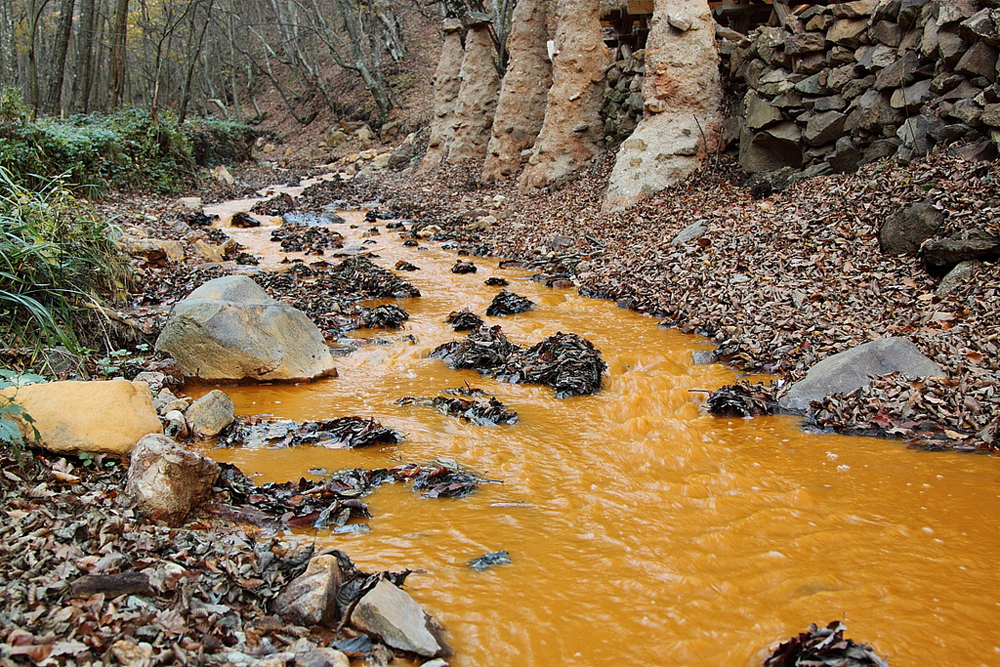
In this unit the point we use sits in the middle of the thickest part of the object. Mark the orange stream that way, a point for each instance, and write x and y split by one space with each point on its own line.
642 531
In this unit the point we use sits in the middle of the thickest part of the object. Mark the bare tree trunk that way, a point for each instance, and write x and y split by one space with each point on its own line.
8 53
193 55
116 86
232 66
54 102
85 39
35 9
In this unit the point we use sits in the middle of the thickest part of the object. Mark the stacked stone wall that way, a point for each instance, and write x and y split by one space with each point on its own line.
852 82
623 105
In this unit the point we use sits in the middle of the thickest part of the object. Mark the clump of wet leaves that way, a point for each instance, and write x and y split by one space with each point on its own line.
308 239
464 267
294 504
742 399
366 277
386 316
568 363
824 647
496 281
440 479
484 350
464 320
343 432
403 265
469 404
508 303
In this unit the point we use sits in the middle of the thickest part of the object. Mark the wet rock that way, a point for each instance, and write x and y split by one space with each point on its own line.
87 416
311 219
958 275
568 363
230 329
907 228
508 303
276 206
210 414
349 432
941 255
484 349
389 613
439 479
464 320
851 369
311 598
244 220
403 265
486 561
361 275
167 481
463 267
495 281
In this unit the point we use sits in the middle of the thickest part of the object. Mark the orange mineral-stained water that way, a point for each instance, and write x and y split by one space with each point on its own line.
641 531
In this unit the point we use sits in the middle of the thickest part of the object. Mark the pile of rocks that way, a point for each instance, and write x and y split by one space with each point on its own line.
622 108
849 83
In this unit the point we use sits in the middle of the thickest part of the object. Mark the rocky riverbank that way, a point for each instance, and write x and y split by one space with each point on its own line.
780 280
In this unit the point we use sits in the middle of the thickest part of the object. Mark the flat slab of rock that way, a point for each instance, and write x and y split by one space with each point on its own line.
230 329
167 481
851 369
89 416
390 614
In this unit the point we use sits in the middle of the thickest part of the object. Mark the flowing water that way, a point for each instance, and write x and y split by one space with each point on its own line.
641 531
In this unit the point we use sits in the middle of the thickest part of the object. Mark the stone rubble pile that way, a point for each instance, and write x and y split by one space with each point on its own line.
850 83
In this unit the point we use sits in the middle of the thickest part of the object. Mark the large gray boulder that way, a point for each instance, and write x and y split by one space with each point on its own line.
851 369
388 613
230 329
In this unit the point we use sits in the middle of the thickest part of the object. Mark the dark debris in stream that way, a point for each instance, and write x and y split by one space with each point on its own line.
743 399
473 406
304 238
343 432
824 647
386 316
568 363
508 303
464 320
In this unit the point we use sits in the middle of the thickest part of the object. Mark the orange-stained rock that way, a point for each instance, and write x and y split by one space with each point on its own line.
88 416
523 92
572 133
447 83
477 99
682 98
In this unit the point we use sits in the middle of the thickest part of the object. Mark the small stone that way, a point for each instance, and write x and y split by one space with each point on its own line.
958 275
389 613
210 414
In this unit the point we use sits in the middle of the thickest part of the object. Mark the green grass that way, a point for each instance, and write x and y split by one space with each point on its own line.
56 261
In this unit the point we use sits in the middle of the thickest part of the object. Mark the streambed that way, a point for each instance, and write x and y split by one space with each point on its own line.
640 530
